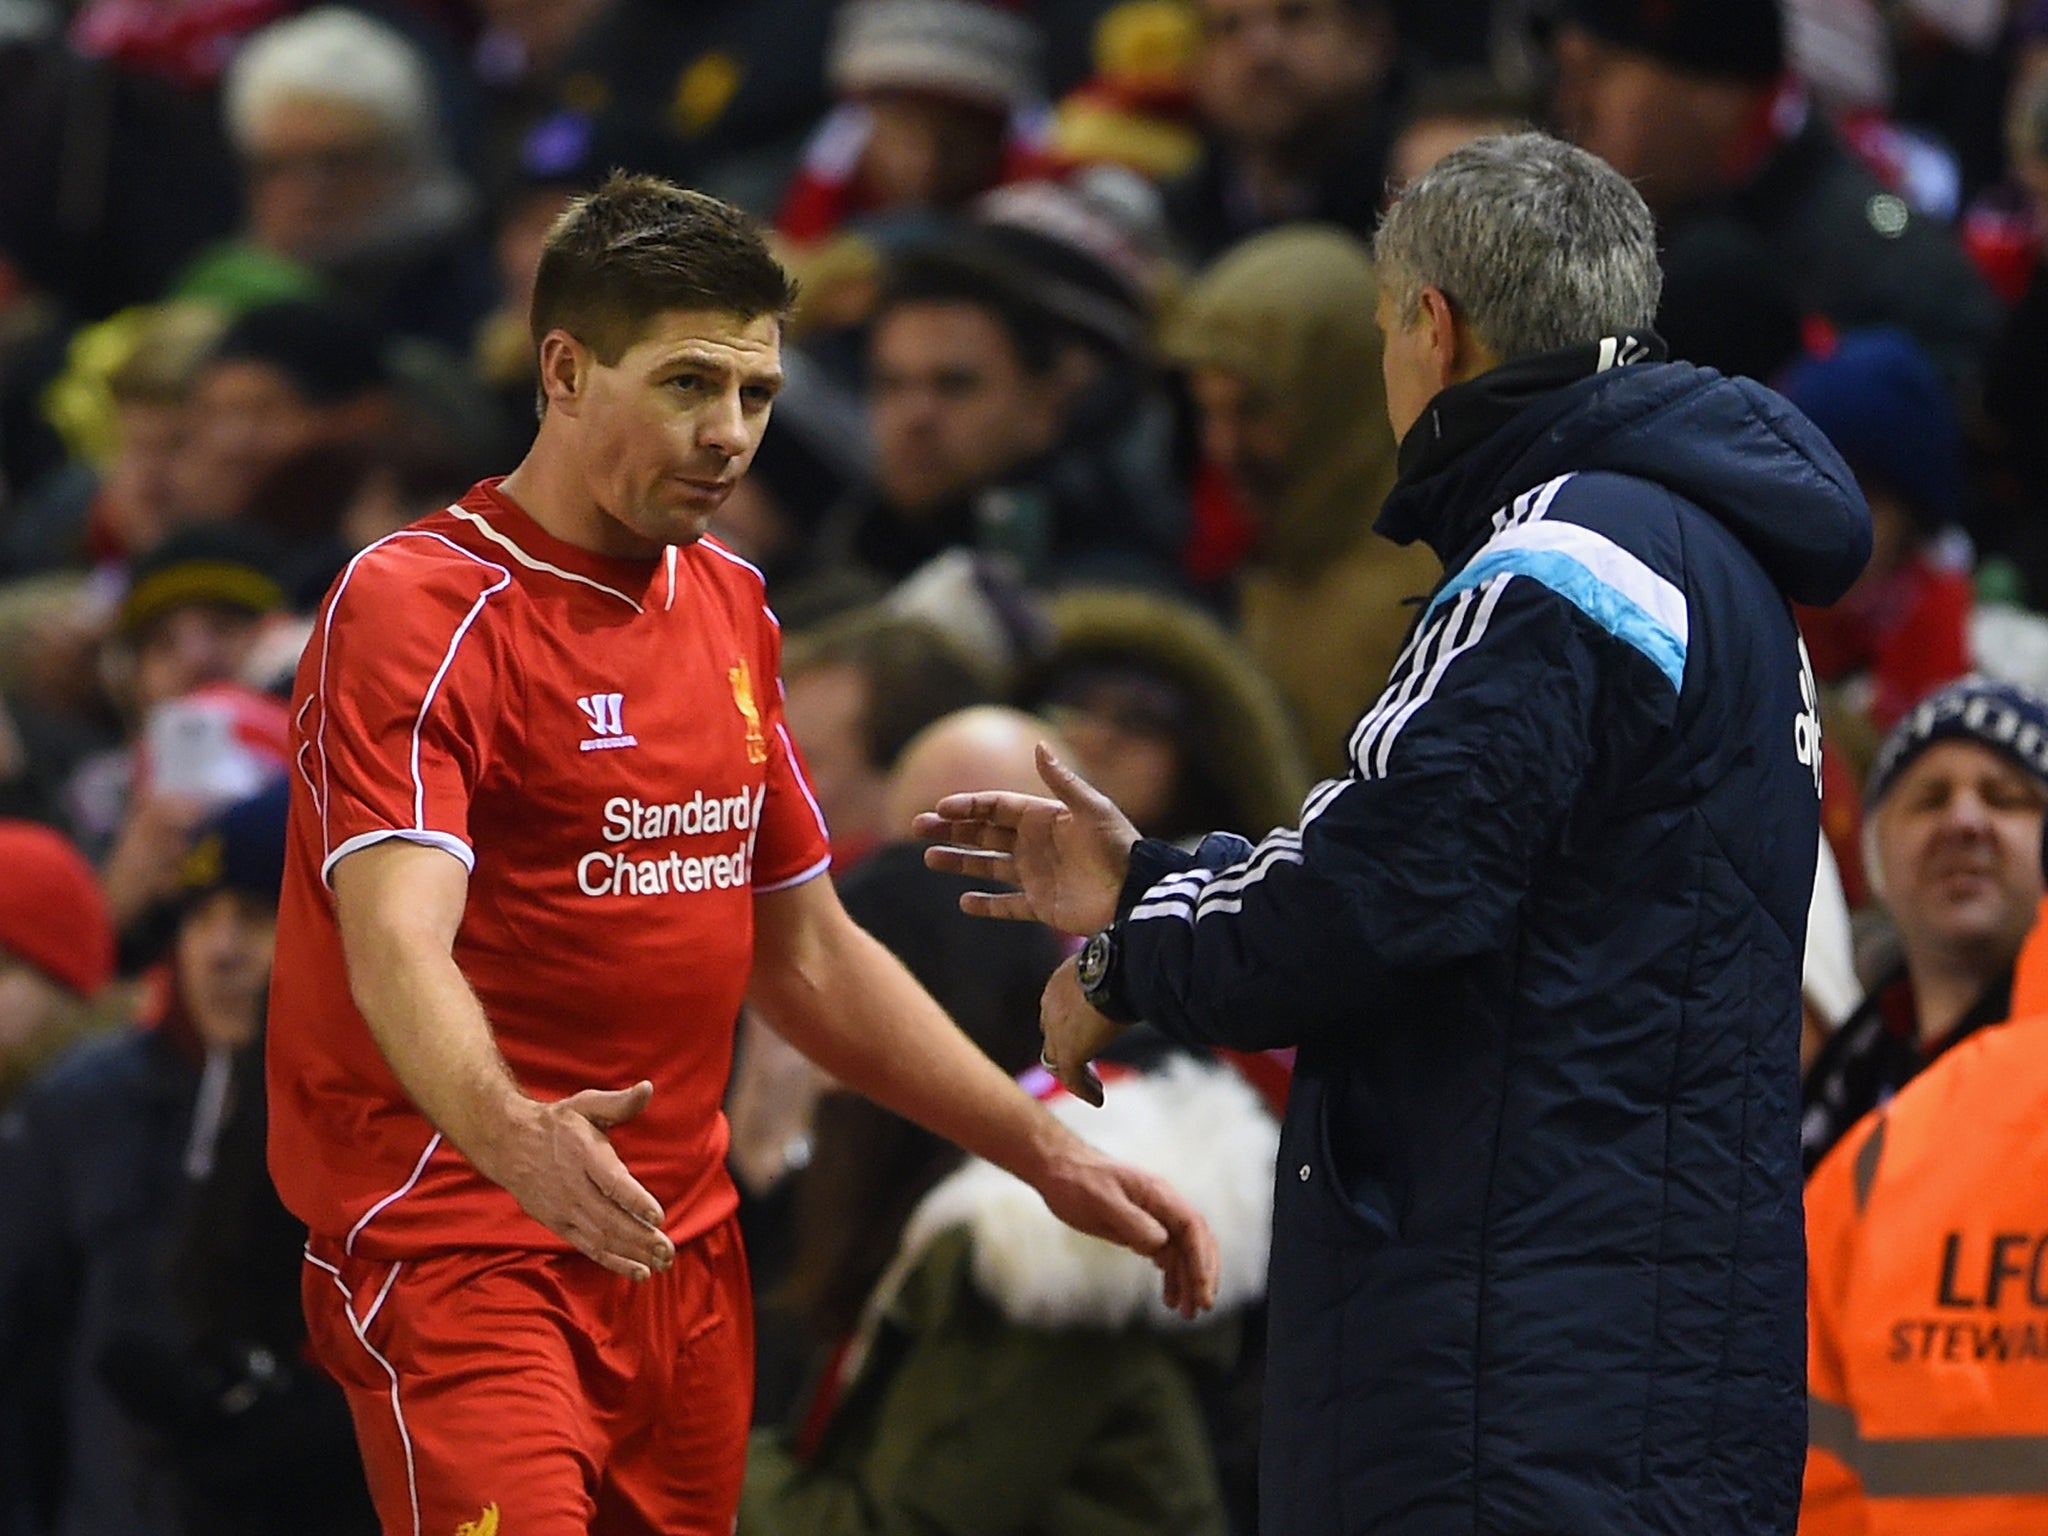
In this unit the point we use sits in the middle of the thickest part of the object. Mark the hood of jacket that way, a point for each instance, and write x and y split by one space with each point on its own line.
1241 718
1740 452
1197 1123
1290 313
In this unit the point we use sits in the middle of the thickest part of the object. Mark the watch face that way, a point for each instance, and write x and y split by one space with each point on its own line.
1093 966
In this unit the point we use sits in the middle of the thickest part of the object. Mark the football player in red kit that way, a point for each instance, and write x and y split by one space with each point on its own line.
548 831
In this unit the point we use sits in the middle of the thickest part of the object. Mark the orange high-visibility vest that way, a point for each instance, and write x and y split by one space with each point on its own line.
2030 977
1927 1288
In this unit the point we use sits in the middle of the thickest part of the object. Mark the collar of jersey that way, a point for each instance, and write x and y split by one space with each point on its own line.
631 580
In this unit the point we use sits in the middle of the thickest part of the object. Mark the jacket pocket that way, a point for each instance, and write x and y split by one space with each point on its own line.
1323 1192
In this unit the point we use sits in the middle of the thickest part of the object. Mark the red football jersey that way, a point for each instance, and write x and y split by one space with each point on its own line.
601 742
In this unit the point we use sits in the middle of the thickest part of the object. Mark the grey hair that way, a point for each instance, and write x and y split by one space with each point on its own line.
1537 244
332 53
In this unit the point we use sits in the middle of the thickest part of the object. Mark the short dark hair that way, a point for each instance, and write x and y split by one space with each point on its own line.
940 275
915 674
639 246
330 353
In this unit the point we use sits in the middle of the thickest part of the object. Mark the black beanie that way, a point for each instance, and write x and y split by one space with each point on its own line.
1733 39
330 353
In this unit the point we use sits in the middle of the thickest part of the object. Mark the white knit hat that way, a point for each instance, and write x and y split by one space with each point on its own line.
978 52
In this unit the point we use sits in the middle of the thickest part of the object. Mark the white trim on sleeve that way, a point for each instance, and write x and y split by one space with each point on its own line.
812 873
447 842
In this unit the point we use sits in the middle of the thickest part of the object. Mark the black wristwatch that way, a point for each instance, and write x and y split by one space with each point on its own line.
1097 968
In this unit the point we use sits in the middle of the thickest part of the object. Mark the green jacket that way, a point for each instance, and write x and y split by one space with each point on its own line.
997 1395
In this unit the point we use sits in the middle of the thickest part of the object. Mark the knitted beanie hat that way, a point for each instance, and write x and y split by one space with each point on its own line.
1735 39
1880 401
2008 720
980 53
52 912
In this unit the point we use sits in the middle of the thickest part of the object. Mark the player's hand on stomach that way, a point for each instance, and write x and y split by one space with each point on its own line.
1067 855
557 1163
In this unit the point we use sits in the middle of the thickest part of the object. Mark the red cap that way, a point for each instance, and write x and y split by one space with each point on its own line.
52 912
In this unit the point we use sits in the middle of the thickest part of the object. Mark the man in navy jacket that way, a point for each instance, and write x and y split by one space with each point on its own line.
1538 1254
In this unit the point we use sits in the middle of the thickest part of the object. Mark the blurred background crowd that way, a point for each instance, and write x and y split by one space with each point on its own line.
1084 436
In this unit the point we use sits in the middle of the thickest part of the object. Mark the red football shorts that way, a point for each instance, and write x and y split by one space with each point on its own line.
535 1394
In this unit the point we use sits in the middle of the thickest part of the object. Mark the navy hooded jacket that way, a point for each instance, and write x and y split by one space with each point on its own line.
1538 1252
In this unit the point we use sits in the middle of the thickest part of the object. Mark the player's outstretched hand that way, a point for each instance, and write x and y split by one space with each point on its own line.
1067 856
563 1172
1141 1211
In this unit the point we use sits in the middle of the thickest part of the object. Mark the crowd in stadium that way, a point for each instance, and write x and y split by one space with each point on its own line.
1082 438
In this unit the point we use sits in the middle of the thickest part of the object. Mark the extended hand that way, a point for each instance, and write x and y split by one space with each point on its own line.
1068 856
1075 1034
1139 1211
558 1165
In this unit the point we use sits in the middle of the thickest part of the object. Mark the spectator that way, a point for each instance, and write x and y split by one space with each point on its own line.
1730 306
1447 112
2012 523
1088 254
718 94
1953 850
933 98
775 1089
855 691
1166 715
94 1159
808 473
981 436
975 1355
1689 98
1903 629
257 1438
332 499
55 712
559 160
1925 1285
523 55
1955 59
191 612
1284 363
1297 110
190 622
117 170
56 952
1136 109
281 378
117 505
347 180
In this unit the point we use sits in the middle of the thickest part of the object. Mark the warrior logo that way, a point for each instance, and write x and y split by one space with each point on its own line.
606 713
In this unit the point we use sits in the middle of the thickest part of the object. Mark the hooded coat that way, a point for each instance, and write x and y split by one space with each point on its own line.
1538 1253
1246 735
1014 1376
1322 601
